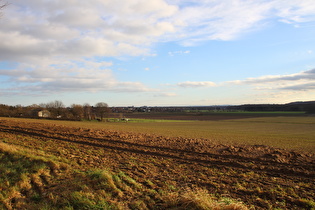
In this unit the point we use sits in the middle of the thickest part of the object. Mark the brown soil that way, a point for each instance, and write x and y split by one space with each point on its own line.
260 176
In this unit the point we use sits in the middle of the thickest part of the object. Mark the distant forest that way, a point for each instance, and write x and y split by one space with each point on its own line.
308 107
100 111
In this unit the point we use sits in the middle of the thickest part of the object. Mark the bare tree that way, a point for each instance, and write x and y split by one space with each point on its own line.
77 111
57 108
5 110
34 106
101 109
87 111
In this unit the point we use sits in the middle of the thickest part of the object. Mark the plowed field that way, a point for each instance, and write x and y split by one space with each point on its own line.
261 176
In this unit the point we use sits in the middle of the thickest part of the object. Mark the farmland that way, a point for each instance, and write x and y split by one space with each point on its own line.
289 132
236 163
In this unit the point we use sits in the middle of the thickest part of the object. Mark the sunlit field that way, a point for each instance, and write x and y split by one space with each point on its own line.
296 133
169 164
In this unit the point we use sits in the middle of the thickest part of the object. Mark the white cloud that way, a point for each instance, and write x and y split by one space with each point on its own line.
178 52
304 75
301 81
114 28
91 76
204 20
196 84
219 20
295 11
65 45
74 29
165 95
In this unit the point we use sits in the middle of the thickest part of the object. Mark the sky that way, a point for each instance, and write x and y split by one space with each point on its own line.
157 52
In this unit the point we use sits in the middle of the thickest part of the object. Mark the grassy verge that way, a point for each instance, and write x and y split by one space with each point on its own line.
31 179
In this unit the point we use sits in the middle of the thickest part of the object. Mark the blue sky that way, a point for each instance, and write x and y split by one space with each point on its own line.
157 52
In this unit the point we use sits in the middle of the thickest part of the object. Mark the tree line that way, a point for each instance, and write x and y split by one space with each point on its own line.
57 110
306 106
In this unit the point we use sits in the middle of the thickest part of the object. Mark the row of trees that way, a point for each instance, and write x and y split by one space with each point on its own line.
307 106
56 109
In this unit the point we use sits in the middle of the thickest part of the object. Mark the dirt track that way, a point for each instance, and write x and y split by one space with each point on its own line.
260 176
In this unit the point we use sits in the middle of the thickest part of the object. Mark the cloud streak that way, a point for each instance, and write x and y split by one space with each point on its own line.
69 77
178 53
189 84
221 20
302 81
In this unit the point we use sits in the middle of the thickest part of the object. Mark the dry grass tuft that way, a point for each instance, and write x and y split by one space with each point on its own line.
7 148
104 179
199 199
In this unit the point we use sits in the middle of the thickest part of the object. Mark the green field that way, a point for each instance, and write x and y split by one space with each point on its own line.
296 133
284 132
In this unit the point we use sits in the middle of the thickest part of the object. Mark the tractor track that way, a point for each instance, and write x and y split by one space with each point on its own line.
160 157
